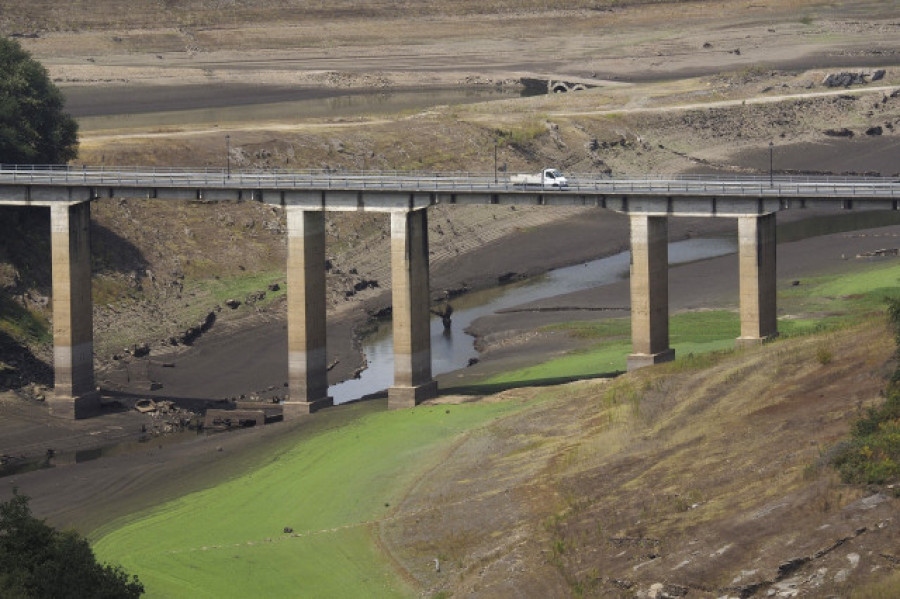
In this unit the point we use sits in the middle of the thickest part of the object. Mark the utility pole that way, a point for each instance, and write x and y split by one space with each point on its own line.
228 155
495 160
771 152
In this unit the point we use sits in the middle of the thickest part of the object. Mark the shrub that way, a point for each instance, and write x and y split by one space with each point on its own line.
33 126
823 355
37 561
872 455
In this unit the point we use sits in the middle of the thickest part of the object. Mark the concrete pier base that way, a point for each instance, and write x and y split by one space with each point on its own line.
636 361
73 326
743 342
649 291
757 262
295 409
413 383
409 397
307 360
74 408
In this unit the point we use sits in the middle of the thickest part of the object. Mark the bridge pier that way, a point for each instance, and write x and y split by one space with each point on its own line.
757 260
307 360
73 325
410 294
67 192
649 291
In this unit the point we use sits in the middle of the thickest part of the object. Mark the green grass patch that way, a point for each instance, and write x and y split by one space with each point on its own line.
879 280
217 290
689 333
331 487
605 359
521 134
22 324
605 329
238 287
107 290
838 300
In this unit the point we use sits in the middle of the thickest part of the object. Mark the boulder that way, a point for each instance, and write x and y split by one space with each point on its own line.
844 132
208 322
847 78
838 80
254 297
190 335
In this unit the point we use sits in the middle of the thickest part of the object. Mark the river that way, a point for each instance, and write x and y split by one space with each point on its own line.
454 350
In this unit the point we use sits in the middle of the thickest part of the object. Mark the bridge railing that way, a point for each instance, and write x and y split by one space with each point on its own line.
75 171
429 181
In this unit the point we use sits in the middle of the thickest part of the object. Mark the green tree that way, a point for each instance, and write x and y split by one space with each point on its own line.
33 127
39 562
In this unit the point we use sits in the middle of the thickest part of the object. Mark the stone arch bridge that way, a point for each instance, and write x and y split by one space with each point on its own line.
306 196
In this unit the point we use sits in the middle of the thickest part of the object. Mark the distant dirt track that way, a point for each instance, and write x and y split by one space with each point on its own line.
83 101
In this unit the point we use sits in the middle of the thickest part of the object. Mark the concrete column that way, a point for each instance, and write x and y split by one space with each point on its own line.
73 324
412 332
757 258
649 291
307 361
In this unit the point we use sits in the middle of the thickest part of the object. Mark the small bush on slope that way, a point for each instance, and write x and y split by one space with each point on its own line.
872 456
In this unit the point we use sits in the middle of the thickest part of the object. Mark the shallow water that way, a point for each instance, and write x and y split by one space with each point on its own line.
453 351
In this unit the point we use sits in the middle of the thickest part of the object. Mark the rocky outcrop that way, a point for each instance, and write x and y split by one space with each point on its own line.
843 132
191 334
847 78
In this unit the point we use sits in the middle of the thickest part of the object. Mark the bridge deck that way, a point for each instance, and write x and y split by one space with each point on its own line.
393 191
305 196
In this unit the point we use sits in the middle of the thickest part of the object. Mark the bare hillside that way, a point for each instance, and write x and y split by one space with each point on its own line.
701 480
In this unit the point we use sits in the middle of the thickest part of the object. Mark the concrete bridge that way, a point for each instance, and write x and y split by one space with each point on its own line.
306 196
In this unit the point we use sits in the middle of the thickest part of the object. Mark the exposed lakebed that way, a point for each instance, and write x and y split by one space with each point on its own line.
126 107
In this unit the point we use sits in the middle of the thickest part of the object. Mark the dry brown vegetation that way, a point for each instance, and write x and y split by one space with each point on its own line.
704 477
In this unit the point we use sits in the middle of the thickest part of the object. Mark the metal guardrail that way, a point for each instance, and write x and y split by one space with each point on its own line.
449 182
